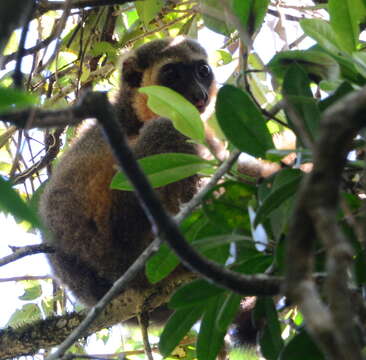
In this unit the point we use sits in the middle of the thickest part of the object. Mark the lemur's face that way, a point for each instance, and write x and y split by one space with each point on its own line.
191 79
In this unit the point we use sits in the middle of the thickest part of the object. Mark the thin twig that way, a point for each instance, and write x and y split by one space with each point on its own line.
25 251
18 75
143 320
197 199
26 278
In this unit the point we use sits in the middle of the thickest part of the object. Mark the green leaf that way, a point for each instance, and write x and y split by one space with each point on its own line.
196 292
164 169
12 203
47 305
211 22
242 122
321 31
296 90
168 103
147 10
250 13
210 338
360 62
287 182
27 314
344 19
256 264
13 99
164 261
190 28
103 47
161 264
229 210
228 311
210 242
222 57
270 341
32 290
242 10
317 64
177 327
301 347
259 10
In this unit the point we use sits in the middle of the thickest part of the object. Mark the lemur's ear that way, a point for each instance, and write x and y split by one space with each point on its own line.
131 73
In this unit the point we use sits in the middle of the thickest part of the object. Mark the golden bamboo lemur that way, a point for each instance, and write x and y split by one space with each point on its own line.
98 232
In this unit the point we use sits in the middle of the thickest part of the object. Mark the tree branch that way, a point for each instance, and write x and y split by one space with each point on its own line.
333 327
46 5
50 332
20 252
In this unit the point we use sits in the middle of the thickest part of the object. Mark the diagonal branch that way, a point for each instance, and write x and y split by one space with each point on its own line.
96 105
20 252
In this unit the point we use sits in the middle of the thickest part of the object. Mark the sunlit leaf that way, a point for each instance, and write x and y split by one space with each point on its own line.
15 99
169 104
321 31
344 18
27 314
32 290
103 47
163 169
147 10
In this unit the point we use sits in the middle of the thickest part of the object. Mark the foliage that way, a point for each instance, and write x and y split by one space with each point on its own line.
243 222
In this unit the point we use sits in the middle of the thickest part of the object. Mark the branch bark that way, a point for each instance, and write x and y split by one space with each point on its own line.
332 325
50 332
25 251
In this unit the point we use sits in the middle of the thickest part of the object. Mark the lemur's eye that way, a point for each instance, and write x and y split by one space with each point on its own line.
203 70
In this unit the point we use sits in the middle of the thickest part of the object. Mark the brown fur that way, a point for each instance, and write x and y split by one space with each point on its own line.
99 232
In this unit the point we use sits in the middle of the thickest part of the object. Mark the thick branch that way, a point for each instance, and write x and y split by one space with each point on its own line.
315 215
50 332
